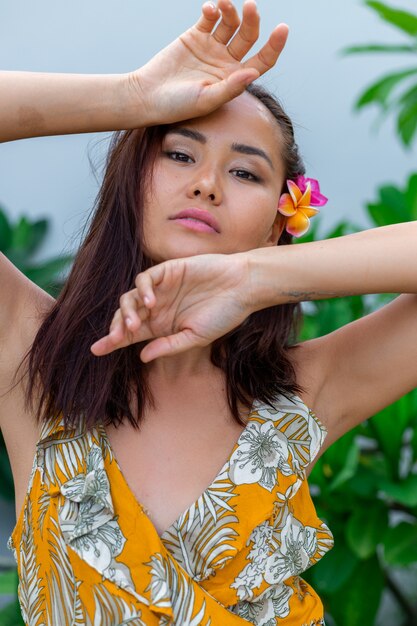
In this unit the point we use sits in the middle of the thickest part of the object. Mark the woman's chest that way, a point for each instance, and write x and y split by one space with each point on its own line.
173 458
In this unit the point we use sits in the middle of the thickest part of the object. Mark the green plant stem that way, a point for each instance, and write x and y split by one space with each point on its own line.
407 607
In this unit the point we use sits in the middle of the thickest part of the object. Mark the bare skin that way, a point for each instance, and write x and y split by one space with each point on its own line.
165 491
179 306
193 76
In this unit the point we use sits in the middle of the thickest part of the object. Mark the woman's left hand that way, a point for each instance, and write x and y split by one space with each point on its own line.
180 304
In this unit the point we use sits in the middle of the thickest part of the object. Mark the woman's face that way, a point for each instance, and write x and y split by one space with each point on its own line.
226 167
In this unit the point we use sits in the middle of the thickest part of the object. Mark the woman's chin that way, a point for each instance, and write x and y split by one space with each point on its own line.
180 252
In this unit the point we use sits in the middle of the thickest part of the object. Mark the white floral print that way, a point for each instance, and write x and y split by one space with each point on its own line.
266 608
262 453
234 556
89 524
298 546
251 577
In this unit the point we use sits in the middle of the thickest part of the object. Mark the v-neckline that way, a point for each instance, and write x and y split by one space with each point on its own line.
255 407
102 429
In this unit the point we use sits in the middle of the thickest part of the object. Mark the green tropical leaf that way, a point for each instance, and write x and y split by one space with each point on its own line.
342 228
391 207
45 273
340 461
380 91
357 602
6 482
409 97
407 123
39 230
411 197
400 544
413 442
388 428
8 582
365 529
22 234
334 570
404 492
364 482
10 615
384 48
395 205
405 21
5 232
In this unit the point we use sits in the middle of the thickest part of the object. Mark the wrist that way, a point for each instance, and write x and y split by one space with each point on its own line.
266 278
137 104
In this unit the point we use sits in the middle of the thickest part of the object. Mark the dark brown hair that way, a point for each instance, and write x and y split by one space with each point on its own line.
64 373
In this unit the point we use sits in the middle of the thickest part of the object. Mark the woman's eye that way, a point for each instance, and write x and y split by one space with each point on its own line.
245 175
178 156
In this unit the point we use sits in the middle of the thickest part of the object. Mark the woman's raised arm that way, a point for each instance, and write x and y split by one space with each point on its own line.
361 368
194 75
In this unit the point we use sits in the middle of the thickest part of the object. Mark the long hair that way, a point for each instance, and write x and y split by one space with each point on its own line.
63 373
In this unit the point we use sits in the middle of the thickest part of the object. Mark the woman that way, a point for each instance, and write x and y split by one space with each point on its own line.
117 524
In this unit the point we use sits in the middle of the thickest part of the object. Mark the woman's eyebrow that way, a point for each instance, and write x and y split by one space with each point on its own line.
187 132
236 147
244 149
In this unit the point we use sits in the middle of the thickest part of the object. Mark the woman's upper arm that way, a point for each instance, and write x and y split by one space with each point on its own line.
20 304
366 365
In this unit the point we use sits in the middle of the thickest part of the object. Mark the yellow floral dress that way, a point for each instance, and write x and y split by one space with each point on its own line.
88 554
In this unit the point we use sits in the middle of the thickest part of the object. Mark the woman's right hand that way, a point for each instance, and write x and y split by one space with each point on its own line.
203 68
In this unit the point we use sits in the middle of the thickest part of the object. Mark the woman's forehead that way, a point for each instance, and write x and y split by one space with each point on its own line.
243 117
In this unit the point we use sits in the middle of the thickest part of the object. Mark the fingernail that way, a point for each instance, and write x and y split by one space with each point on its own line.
128 321
146 300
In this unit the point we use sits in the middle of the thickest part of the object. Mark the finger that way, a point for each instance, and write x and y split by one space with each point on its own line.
229 23
107 344
111 341
247 34
268 55
223 91
145 282
209 17
133 313
168 346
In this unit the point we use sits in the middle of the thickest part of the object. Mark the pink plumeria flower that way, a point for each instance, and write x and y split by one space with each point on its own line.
298 205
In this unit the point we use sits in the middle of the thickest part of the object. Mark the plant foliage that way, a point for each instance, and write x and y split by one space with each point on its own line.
365 484
395 92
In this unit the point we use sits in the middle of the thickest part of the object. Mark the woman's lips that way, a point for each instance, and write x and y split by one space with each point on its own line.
194 224
199 215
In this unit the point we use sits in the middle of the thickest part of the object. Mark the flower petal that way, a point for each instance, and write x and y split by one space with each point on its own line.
286 205
309 211
301 182
317 199
298 224
305 199
296 193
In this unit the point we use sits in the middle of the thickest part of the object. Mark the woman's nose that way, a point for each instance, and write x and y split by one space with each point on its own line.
206 187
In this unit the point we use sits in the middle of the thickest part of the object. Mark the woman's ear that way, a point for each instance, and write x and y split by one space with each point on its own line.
276 229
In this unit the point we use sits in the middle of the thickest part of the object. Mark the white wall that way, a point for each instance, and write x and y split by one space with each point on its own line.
52 177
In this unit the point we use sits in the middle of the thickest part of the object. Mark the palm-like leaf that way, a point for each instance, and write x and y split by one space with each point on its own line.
386 91
404 20
110 609
30 588
182 594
